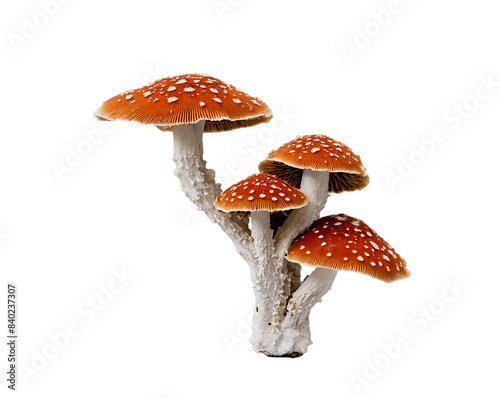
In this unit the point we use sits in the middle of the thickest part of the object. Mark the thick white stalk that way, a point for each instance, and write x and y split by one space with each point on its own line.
268 284
315 185
295 333
198 184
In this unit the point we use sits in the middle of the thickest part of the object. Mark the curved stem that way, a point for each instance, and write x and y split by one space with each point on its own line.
198 184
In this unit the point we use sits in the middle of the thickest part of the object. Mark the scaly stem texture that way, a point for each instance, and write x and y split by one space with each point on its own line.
198 184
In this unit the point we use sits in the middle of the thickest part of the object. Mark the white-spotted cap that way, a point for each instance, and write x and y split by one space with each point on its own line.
321 153
187 99
345 243
260 192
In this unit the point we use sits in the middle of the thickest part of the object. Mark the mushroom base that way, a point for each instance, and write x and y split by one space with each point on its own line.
292 336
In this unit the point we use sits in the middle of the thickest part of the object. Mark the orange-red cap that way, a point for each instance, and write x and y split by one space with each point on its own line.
187 99
317 152
345 243
260 192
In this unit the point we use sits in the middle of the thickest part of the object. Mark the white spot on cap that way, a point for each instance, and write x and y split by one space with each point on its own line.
189 89
172 99
214 90
147 93
171 88
360 258
314 150
128 97
181 81
202 103
217 100
237 100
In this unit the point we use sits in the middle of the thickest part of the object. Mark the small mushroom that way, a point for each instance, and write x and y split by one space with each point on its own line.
260 194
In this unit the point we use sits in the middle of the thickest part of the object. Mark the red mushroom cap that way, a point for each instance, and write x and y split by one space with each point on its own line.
345 243
187 99
321 153
260 192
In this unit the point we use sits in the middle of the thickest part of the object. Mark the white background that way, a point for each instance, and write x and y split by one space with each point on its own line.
179 327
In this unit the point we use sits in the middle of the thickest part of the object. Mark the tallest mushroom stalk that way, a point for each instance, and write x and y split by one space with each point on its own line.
198 184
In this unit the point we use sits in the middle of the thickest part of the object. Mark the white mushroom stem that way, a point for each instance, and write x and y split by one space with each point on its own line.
315 185
268 284
295 334
198 184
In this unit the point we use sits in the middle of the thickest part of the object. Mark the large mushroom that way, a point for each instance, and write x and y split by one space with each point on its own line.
189 105
318 165
261 194
337 243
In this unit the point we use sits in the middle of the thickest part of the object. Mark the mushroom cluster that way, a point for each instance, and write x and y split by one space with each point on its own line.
271 217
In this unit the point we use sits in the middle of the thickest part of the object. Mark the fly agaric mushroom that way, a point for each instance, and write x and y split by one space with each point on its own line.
318 164
261 194
189 105
341 242
299 158
332 243
186 100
